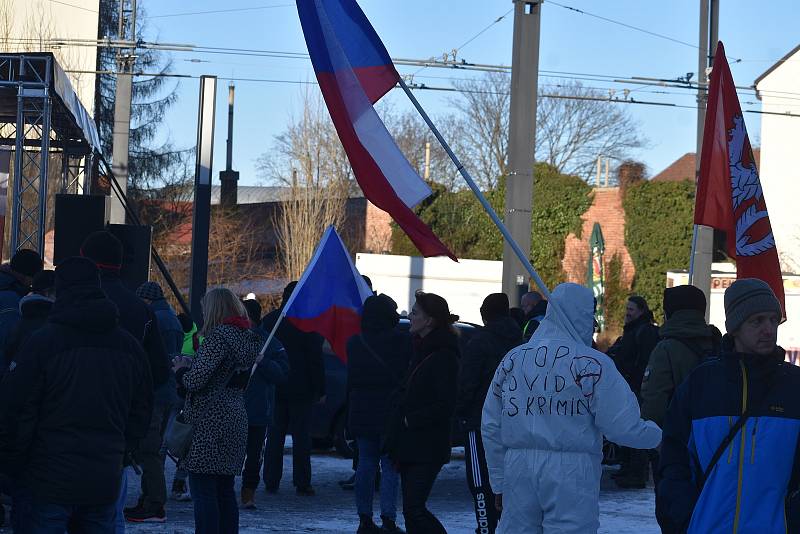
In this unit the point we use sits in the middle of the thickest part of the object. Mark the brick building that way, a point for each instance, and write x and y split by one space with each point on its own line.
607 210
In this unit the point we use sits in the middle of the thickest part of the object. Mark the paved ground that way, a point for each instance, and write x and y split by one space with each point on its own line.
333 510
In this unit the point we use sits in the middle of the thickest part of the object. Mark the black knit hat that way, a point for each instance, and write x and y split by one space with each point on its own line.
44 281
104 249
683 298
150 291
287 291
253 308
26 262
494 306
76 271
380 313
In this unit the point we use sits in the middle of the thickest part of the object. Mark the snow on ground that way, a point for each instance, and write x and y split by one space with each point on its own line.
333 509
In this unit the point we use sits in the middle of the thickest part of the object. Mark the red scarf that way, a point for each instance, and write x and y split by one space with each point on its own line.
239 322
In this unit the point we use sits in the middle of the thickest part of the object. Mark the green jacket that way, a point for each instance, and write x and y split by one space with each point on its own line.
189 339
685 340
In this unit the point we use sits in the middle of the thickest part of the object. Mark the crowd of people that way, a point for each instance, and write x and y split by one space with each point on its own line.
100 382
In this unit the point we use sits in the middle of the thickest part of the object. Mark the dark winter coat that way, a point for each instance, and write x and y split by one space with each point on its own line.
686 340
425 413
11 291
747 488
482 355
34 310
631 352
169 327
215 402
371 383
72 403
139 320
260 395
306 368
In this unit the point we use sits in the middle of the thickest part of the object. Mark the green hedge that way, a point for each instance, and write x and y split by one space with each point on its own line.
460 221
658 234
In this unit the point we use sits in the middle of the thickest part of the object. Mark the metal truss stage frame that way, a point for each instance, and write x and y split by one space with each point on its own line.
44 124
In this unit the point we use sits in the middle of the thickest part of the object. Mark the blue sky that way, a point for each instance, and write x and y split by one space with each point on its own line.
757 32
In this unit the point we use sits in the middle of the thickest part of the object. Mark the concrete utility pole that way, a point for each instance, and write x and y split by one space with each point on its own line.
228 178
521 137
122 112
709 36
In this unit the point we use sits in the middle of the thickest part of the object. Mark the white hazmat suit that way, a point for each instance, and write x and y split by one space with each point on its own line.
549 405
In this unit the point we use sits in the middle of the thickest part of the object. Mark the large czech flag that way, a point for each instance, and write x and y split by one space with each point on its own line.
329 297
354 71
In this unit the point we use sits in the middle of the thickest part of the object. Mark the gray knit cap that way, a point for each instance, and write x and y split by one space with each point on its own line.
748 297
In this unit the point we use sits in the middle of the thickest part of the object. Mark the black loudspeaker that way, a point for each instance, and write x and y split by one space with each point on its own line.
136 243
76 217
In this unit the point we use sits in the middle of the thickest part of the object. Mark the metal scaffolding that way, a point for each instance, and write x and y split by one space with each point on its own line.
42 118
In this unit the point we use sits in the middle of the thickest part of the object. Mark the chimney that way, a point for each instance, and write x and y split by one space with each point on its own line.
229 177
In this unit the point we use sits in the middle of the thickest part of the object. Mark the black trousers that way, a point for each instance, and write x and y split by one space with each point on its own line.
478 481
290 418
416 482
255 455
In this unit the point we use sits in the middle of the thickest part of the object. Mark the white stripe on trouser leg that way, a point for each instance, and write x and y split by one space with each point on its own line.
476 467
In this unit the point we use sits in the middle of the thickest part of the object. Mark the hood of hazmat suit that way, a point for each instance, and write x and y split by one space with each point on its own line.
550 403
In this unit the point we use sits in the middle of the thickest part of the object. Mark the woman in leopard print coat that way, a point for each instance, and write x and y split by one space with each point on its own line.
215 383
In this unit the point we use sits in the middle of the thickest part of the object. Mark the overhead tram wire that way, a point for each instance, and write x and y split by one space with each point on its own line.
462 65
217 11
468 41
424 87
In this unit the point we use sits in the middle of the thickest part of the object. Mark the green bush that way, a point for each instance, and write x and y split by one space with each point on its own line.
658 234
616 296
461 223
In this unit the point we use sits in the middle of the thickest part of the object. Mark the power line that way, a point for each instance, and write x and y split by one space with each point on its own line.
73 5
481 32
424 87
623 24
631 27
449 64
497 20
233 10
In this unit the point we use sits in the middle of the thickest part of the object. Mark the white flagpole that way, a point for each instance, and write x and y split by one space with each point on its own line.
523 257
691 256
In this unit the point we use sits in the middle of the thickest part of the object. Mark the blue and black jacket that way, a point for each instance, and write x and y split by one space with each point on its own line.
749 488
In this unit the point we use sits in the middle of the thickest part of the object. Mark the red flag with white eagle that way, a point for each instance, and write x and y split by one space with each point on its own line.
729 194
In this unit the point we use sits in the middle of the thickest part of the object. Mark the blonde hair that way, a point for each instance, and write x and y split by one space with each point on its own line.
219 304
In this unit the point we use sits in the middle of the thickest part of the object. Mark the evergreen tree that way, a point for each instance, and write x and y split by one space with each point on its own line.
152 164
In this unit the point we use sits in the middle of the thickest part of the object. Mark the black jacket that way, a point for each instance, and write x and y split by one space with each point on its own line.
631 352
72 405
35 310
481 357
371 383
429 401
139 320
306 369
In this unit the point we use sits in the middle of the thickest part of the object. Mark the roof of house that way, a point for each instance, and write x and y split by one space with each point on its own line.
253 194
777 64
684 168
